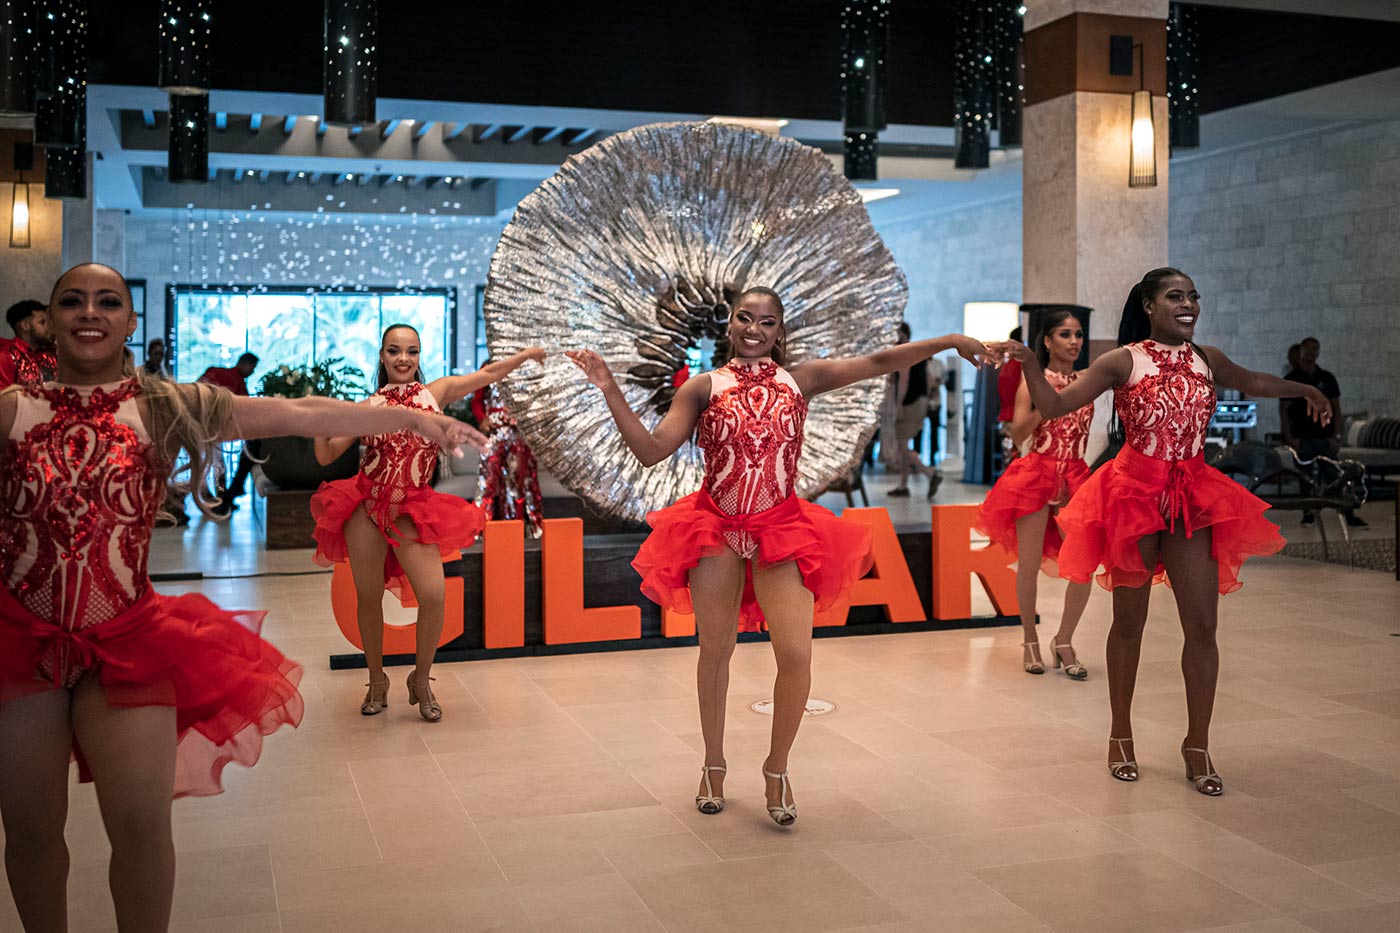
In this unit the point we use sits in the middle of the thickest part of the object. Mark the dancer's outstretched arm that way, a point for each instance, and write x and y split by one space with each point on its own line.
1108 371
319 417
816 376
1231 375
1024 418
451 389
650 447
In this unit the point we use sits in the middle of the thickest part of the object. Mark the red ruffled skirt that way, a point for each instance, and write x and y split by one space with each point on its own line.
228 686
1135 495
831 554
447 521
1029 484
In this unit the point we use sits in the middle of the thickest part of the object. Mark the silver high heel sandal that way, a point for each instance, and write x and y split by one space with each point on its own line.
1127 768
1034 665
1208 782
786 814
1073 669
709 801
422 695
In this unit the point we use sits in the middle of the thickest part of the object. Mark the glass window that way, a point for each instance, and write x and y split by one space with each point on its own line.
213 327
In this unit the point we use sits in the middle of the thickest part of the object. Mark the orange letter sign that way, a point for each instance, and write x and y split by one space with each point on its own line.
503 584
398 639
954 559
565 619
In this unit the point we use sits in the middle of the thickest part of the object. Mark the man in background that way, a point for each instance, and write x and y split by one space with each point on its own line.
27 358
1301 432
235 379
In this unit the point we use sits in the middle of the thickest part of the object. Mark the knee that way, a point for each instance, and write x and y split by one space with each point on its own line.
1200 634
794 662
431 603
718 651
35 839
140 832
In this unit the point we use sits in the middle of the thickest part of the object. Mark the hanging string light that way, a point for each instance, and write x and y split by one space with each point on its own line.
864 39
16 71
1183 97
61 73
188 158
66 168
185 27
1010 71
974 82
351 74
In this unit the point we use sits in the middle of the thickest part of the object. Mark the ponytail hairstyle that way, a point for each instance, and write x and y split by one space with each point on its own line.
1135 325
779 351
383 374
1047 326
182 418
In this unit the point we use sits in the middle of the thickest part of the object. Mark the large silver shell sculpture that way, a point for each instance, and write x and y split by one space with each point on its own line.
635 248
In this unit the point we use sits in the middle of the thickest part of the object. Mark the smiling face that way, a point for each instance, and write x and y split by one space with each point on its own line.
91 317
399 355
1063 343
755 326
1174 310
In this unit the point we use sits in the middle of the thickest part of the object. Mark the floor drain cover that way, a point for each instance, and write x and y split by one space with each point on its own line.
815 707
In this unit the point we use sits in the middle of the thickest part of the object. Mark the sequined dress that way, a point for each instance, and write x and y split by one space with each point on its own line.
395 470
751 433
508 485
1050 473
1160 481
21 364
80 485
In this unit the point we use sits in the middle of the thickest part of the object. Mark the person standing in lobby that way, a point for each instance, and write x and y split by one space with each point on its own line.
235 379
911 394
1306 436
28 357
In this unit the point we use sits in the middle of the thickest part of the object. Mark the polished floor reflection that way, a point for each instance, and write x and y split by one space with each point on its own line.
949 791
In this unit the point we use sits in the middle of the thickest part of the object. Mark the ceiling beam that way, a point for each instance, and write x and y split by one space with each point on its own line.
338 179
363 179
263 176
387 128
422 127
548 136
221 120
313 178
482 133
580 136
451 131
520 133
321 126
255 122
149 118
478 183
354 131
289 124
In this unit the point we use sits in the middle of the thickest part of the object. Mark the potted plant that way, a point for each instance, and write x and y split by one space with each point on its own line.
290 462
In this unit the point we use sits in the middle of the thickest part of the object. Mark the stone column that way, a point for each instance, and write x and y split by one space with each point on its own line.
1087 236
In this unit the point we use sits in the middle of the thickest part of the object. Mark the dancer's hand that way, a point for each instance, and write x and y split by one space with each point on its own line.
534 353
449 433
1319 408
974 351
1008 350
595 368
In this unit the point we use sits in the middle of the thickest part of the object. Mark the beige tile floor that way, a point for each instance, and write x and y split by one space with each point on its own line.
949 791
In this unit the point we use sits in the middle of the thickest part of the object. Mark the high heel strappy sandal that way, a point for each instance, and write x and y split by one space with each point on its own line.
709 801
1073 669
1126 769
1034 665
1208 782
786 814
376 697
422 695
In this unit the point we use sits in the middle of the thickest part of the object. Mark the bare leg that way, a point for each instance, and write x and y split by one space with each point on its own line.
131 751
716 589
1194 576
422 563
37 739
1030 547
367 548
1124 648
788 606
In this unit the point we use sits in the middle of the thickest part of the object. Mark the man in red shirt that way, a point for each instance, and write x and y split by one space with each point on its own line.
235 379
29 357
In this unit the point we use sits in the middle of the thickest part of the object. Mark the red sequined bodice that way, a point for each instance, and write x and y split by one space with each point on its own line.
392 464
1065 437
751 433
80 486
1167 402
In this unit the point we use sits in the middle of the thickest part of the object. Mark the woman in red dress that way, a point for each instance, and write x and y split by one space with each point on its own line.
1156 510
744 550
390 524
152 694
1020 511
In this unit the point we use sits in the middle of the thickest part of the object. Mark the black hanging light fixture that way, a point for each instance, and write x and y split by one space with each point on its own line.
865 29
66 169
188 159
350 78
60 73
1183 103
1010 66
974 82
16 72
185 28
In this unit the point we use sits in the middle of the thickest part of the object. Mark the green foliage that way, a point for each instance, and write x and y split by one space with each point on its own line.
332 378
